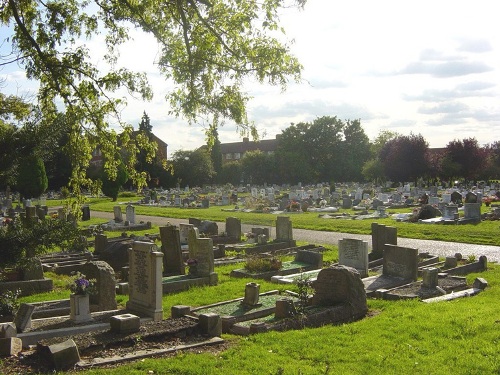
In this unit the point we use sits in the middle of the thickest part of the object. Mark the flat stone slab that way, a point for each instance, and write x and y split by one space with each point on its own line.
448 297
145 354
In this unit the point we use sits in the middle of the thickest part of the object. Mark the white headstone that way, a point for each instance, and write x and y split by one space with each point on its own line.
354 253
130 214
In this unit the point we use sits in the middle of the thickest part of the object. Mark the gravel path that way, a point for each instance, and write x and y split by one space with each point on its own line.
439 248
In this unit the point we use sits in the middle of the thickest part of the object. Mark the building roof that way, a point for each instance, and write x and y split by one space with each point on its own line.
246 145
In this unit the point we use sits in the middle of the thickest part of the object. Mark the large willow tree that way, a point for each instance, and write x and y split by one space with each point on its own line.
208 47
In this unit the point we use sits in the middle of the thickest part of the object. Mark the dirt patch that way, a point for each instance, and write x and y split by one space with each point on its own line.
169 333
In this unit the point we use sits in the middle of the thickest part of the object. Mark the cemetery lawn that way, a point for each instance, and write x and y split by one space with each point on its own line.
458 337
484 233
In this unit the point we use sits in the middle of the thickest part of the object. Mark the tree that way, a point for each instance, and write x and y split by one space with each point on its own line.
355 152
213 145
31 179
145 124
471 159
207 49
258 168
193 168
405 158
230 173
111 186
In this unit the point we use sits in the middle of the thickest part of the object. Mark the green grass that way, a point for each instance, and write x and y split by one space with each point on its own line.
456 337
459 337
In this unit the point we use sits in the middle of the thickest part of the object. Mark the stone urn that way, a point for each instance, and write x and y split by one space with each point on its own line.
79 308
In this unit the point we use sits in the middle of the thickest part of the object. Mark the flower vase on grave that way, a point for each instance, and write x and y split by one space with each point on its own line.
79 308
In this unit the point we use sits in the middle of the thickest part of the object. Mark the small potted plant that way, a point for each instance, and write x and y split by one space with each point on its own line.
81 288
192 266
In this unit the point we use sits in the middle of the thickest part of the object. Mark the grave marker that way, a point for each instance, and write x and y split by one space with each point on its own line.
354 253
145 280
171 248
284 230
400 262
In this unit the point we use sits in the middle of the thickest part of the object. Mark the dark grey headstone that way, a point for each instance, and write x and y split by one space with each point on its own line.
22 320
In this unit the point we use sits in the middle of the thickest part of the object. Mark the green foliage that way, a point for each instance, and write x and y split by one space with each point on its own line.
111 187
207 51
31 179
258 168
9 302
26 238
193 168
257 264
230 173
326 149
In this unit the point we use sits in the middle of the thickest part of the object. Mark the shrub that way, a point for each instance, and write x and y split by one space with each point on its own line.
25 238
8 302
258 264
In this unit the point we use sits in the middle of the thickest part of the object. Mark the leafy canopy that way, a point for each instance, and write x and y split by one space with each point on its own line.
207 48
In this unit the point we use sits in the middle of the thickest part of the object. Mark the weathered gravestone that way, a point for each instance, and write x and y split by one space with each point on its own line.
85 213
233 228
117 212
430 277
184 232
145 280
472 211
470 197
22 320
346 203
382 235
340 285
171 248
203 252
130 214
105 297
400 262
354 253
284 230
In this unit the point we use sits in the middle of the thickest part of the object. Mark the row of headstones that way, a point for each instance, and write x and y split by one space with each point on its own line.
172 238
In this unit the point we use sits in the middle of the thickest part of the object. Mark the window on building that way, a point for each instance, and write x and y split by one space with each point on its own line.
229 156
237 155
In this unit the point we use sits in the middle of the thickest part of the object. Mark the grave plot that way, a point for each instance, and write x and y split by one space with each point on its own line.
267 267
60 346
339 298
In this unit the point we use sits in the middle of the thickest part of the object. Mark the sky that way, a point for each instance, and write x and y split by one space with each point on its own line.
426 67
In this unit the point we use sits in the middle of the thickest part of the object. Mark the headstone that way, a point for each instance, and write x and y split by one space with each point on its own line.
177 200
130 214
172 251
340 285
284 308
450 211
210 324
430 277
433 190
145 280
251 294
225 200
103 273
456 197
85 213
446 198
400 262
382 235
233 227
65 355
100 243
22 320
184 232
346 203
354 253
117 211
205 203
284 230
471 197
79 308
472 211
433 200
204 254
193 235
